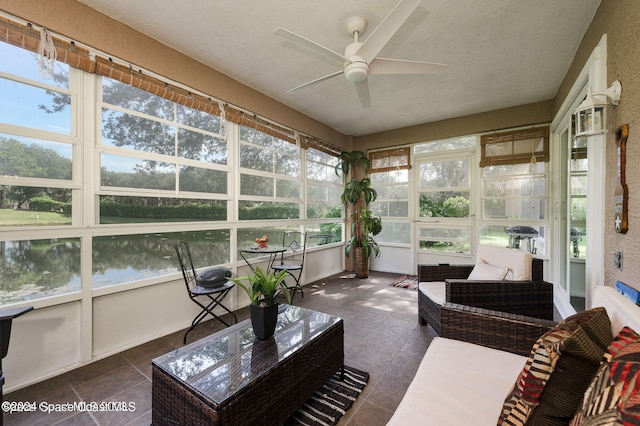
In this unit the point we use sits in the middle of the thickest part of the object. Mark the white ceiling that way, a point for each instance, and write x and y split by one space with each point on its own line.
500 53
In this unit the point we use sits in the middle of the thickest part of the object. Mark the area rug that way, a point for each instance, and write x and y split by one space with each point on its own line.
406 281
332 400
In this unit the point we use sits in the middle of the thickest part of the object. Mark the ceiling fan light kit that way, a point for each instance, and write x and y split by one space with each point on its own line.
356 71
359 59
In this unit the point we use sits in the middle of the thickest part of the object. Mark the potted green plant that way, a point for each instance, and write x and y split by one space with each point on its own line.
262 289
358 193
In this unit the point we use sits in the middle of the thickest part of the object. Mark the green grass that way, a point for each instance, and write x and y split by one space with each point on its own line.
500 240
110 220
11 217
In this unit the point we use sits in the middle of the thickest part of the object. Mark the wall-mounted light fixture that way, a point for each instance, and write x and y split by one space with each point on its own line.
590 114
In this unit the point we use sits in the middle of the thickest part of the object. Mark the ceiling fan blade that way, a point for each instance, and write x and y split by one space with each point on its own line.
309 44
317 80
387 28
362 88
402 66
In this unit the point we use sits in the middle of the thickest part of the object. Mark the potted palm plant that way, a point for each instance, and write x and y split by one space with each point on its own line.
262 289
364 224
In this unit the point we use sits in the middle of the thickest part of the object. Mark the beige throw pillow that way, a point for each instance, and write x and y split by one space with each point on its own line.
484 271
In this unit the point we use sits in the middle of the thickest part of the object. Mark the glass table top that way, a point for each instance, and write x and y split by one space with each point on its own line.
223 363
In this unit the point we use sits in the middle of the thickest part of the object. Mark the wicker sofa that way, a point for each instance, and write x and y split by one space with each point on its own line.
461 383
521 291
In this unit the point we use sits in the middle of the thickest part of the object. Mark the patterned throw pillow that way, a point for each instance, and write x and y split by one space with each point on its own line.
562 363
614 395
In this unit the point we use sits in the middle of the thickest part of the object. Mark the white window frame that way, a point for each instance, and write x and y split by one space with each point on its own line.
468 223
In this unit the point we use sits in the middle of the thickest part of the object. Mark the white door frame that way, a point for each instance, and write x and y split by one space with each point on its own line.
594 75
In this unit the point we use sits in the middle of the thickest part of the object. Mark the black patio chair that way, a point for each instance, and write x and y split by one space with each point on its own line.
211 284
292 260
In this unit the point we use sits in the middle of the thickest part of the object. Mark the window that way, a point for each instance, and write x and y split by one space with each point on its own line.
119 259
444 193
515 211
158 157
515 206
270 177
324 186
151 144
449 239
578 198
444 188
392 205
159 162
446 145
28 99
37 142
32 269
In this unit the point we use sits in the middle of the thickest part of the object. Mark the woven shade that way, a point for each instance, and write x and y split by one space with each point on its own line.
311 142
515 147
255 122
127 75
390 159
27 38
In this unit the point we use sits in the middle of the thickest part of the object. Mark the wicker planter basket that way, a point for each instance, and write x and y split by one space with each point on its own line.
361 263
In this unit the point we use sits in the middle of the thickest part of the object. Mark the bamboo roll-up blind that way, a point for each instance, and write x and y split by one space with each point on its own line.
311 142
255 122
26 37
515 147
390 159
128 75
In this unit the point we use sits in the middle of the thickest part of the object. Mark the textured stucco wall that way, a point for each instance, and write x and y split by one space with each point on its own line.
619 20
623 63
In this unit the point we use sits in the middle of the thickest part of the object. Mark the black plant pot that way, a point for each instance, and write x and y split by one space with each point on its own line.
263 320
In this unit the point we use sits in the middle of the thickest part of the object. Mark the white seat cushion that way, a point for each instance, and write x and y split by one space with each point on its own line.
434 290
458 383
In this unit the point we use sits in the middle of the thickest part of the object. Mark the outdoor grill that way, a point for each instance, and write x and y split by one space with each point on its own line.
519 233
575 236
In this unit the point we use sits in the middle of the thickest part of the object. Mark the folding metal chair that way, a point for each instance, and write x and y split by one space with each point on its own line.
292 260
211 283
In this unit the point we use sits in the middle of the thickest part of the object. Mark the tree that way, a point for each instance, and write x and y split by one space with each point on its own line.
358 194
20 159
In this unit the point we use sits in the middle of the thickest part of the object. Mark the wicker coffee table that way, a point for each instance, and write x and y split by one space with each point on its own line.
231 378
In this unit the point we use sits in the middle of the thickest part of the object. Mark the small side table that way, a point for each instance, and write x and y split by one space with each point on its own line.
271 251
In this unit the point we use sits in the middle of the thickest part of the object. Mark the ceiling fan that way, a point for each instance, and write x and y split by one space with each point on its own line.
359 59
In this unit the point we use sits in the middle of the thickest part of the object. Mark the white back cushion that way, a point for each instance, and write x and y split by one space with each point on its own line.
518 261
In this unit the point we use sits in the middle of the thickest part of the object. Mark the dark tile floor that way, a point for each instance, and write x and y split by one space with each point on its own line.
382 337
